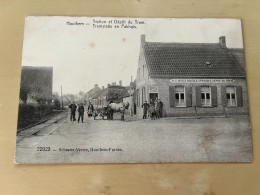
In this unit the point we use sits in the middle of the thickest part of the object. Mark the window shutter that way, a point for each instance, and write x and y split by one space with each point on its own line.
198 96
172 96
214 96
224 95
188 96
239 95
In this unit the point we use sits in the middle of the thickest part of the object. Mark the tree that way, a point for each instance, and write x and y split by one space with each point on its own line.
24 90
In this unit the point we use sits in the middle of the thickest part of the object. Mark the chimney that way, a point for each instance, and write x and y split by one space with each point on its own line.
96 85
222 41
108 85
142 40
113 83
120 82
103 87
131 85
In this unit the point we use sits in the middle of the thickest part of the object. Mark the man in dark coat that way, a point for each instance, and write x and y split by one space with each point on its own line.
73 108
109 113
81 112
160 108
145 107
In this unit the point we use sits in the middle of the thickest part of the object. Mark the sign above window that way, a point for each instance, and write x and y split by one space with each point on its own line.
153 89
202 80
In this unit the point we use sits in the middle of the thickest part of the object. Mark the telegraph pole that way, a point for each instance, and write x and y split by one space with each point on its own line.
61 97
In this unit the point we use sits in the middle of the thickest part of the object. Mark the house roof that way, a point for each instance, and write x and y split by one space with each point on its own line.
97 94
167 60
238 53
92 92
104 92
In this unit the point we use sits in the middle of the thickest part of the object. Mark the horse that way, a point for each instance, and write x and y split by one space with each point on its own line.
117 107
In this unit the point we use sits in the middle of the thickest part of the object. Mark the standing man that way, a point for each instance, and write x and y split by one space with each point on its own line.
90 108
160 108
145 107
110 111
73 108
81 112
156 106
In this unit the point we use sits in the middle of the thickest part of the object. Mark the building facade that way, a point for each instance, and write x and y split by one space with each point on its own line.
102 97
192 79
91 94
36 84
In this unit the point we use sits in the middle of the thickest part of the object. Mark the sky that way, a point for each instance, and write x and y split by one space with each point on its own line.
83 55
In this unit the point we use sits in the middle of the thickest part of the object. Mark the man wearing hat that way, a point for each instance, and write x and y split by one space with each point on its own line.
81 112
145 107
73 108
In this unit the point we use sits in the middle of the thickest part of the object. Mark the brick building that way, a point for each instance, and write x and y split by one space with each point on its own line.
36 83
192 79
101 97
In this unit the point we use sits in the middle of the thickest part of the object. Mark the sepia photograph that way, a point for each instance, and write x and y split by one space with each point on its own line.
132 90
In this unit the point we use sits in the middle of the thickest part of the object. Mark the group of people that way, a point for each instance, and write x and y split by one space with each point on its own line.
154 110
73 107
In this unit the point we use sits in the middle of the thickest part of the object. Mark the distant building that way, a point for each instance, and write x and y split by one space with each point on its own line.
113 93
192 78
92 93
99 98
116 93
36 84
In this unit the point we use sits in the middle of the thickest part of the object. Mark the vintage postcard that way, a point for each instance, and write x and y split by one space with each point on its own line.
132 90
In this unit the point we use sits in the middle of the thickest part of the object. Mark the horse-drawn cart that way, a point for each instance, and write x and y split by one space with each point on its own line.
90 113
100 113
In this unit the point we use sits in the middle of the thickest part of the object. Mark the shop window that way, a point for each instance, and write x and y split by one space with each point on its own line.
179 96
205 96
231 96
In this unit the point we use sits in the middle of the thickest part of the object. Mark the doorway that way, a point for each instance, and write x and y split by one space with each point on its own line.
153 97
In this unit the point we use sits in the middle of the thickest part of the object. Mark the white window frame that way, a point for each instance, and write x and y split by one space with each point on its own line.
179 100
205 100
229 101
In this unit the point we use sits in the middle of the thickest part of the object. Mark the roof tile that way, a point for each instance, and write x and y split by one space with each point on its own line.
190 59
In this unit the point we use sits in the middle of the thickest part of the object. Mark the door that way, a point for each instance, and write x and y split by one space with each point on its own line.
153 97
